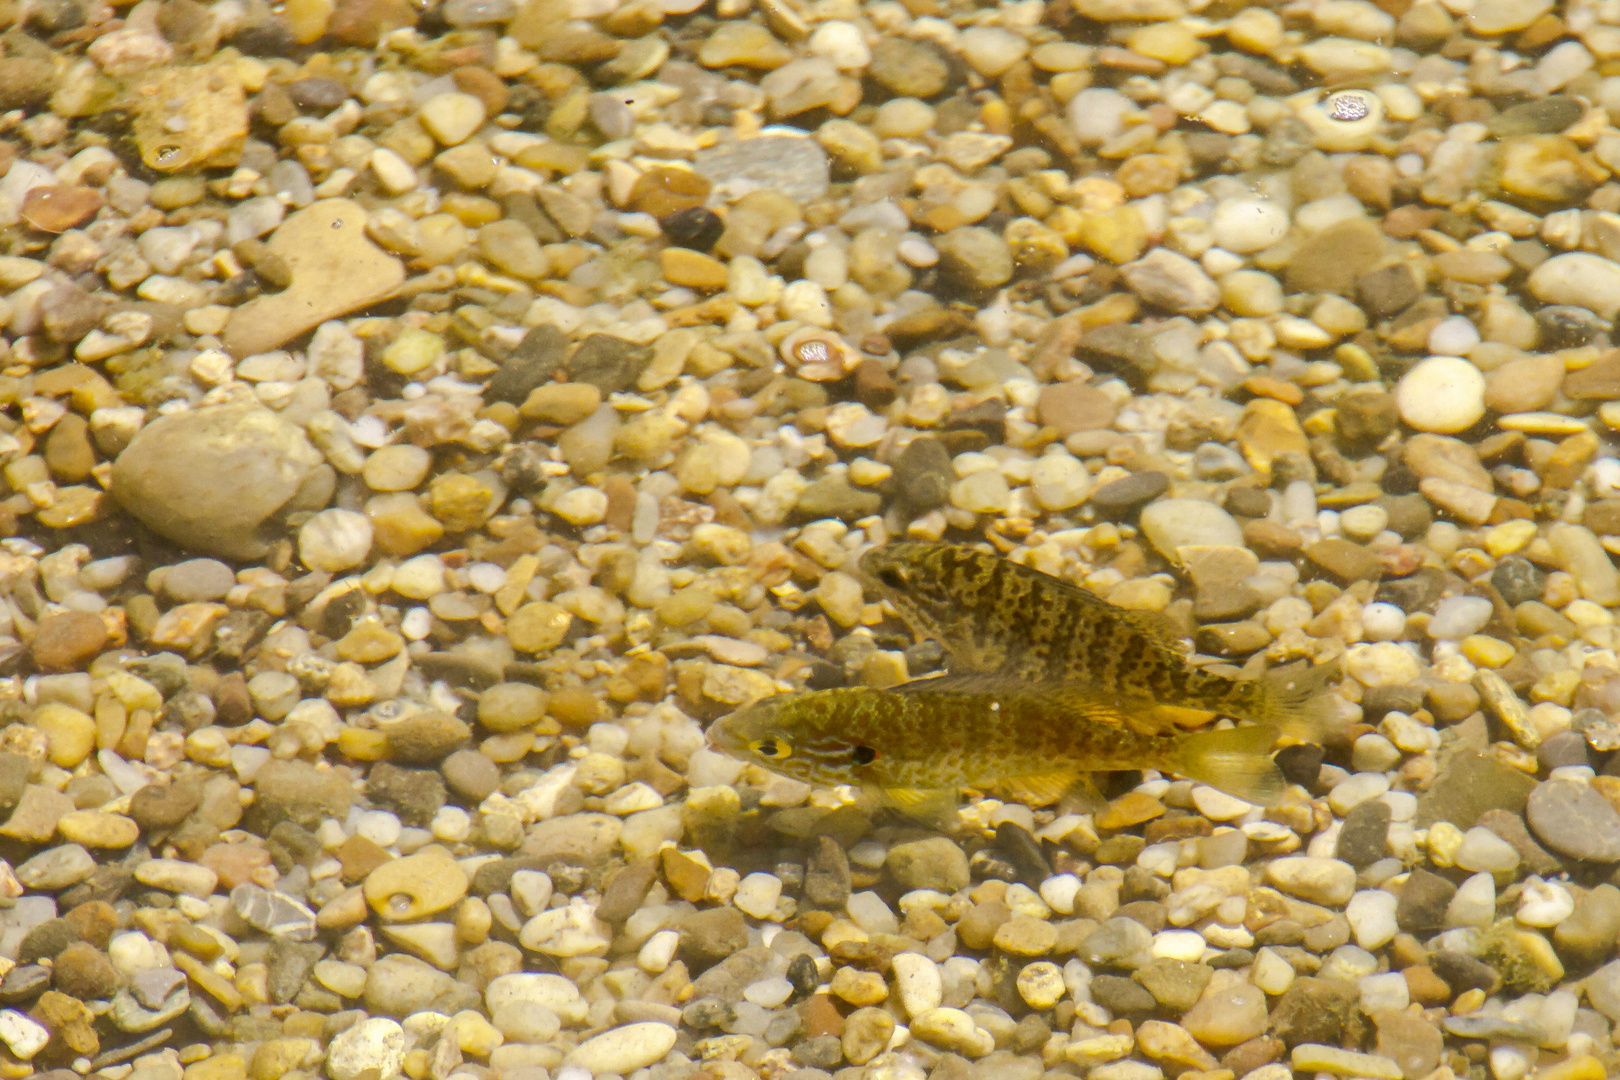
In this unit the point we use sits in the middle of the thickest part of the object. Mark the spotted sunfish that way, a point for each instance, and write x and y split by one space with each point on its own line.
999 618
921 743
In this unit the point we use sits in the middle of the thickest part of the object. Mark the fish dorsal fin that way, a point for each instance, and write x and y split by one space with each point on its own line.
1040 789
964 682
931 806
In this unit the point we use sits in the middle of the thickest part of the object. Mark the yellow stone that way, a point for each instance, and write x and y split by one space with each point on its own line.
859 987
369 642
96 829
76 505
561 403
218 1067
70 735
1487 651
399 524
538 627
461 501
276 1057
1168 41
210 982
1508 537
187 628
307 19
363 744
1118 235
1268 429
415 886
1580 1067
683 266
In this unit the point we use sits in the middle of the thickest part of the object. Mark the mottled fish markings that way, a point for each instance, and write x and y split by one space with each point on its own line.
920 745
1046 684
997 617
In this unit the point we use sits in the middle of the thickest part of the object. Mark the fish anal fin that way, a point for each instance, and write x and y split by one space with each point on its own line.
931 806
1295 699
1235 761
1040 789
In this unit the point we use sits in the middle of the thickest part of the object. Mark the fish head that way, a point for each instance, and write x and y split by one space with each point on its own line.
905 571
801 736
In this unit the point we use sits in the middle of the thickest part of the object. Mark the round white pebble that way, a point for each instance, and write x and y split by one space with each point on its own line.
335 540
1453 337
1248 224
1443 394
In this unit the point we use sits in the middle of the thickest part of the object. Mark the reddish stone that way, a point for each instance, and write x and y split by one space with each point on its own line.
58 209
67 640
235 863
363 22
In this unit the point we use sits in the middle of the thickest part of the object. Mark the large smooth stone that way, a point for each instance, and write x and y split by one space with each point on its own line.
212 479
335 267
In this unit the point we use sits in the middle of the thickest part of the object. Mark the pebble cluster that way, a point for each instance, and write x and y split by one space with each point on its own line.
421 418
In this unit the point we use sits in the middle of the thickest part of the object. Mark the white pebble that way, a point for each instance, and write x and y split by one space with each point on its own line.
1059 892
1474 903
1185 945
380 827
769 993
1483 850
1372 917
1456 617
1244 225
1443 394
868 911
757 895
1382 622
1544 903
1453 337
1386 991
335 540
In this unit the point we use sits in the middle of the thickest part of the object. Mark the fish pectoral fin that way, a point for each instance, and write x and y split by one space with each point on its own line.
1084 797
1041 789
1235 761
931 806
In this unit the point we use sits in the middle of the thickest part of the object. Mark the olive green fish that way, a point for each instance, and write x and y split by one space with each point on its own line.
995 617
919 745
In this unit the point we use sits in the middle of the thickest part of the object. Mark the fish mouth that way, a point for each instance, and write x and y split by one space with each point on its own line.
724 737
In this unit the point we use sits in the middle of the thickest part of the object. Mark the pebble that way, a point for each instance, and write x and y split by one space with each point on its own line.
1573 819
261 463
1441 394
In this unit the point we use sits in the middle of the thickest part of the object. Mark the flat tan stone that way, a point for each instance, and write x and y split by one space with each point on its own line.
336 269
417 885
190 117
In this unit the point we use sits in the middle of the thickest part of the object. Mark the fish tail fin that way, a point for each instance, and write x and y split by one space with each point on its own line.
1236 761
1296 703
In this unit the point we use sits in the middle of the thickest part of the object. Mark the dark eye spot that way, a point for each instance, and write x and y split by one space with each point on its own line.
893 578
864 755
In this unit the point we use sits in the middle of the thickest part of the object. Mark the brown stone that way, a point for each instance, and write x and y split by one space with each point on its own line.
663 190
1524 385
58 209
67 640
235 863
1344 561
1334 258
1069 407
363 22
358 857
1596 382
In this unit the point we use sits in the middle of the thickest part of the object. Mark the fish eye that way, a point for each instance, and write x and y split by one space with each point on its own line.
775 749
863 755
892 577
